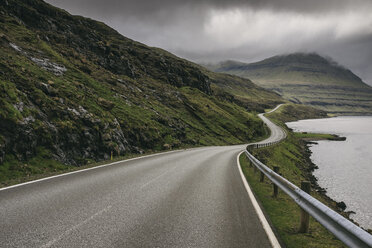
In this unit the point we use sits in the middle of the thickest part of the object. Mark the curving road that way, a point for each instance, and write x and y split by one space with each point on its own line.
186 198
277 133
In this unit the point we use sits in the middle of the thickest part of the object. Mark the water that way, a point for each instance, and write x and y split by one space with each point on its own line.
345 167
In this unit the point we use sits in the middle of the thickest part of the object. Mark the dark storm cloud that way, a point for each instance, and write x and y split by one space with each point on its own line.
145 7
213 30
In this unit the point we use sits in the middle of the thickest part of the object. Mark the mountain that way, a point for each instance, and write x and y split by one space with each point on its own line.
73 90
309 79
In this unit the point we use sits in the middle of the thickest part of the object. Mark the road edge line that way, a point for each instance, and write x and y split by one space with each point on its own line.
265 224
88 169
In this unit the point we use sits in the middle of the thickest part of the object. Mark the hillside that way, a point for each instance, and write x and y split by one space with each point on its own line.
309 79
73 90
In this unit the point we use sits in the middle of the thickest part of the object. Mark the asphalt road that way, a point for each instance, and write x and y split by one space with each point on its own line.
187 198
277 133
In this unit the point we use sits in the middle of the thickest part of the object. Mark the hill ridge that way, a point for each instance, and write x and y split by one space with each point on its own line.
307 78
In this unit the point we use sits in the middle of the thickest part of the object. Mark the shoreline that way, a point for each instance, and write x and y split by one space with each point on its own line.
340 205
314 181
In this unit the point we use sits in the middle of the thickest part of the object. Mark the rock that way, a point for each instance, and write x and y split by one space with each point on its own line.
311 142
341 205
74 111
19 106
15 47
337 138
44 63
28 119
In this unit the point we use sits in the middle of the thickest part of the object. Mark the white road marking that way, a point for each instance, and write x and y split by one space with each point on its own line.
156 178
269 232
67 232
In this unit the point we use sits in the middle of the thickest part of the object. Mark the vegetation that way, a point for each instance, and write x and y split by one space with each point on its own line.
309 79
244 91
292 156
318 136
73 90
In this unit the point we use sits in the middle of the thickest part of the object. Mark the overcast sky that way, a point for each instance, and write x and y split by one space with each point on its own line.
248 31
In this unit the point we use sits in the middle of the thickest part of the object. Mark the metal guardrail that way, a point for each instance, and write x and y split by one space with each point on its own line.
346 231
263 144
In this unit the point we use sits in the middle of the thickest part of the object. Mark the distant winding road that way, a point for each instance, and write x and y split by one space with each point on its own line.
277 133
186 198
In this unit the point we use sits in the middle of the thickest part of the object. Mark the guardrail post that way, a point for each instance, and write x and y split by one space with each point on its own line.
262 177
276 170
305 218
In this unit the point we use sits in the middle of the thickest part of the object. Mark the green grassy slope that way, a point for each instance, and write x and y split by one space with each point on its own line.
73 90
248 94
309 79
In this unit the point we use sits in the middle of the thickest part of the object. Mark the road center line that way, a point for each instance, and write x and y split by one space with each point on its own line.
67 232
156 178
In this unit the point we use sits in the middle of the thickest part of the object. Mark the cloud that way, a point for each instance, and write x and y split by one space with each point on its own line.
247 30
144 8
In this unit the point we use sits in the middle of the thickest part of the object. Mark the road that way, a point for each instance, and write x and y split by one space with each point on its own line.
277 133
186 198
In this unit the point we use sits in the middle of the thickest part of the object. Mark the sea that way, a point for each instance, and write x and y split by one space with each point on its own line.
345 167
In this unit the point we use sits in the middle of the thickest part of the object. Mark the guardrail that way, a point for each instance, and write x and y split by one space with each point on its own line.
260 145
346 231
